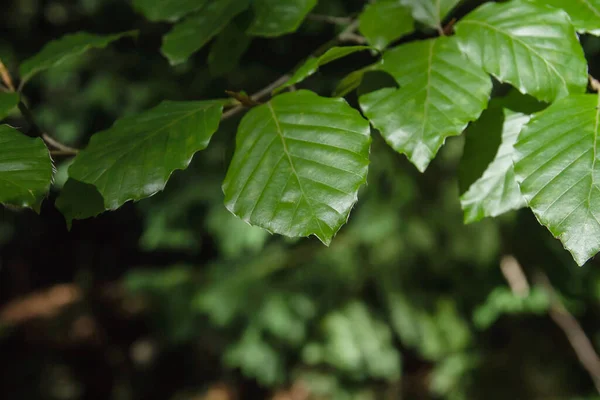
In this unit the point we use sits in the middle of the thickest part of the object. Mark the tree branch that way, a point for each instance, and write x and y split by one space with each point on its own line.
62 148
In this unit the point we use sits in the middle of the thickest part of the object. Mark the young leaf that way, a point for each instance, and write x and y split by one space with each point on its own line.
25 169
440 92
228 49
385 21
556 166
585 14
8 101
531 47
135 157
430 12
167 10
312 64
278 17
298 164
78 200
65 48
191 34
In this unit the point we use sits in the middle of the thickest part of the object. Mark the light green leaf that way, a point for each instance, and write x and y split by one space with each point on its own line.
65 48
167 10
278 17
135 157
440 92
430 12
25 169
312 64
384 21
585 14
228 49
298 164
191 34
79 200
8 101
533 48
556 163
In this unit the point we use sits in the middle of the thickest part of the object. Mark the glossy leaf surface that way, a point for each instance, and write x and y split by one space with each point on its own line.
585 14
430 12
384 21
278 17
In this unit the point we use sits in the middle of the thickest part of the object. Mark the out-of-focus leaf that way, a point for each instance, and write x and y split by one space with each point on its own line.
352 81
298 164
440 92
556 166
8 101
135 158
533 48
312 65
278 17
228 48
79 200
25 169
65 48
192 33
384 21
585 14
430 12
503 301
167 10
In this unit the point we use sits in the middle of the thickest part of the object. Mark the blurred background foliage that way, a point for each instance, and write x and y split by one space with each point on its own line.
175 298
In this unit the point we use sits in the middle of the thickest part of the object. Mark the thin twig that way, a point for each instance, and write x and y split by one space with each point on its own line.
35 129
353 38
513 273
64 153
594 84
6 78
330 19
59 146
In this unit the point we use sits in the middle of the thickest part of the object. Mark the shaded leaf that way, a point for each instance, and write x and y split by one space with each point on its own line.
298 164
228 48
167 10
556 167
25 169
430 12
78 200
352 81
440 92
191 34
385 21
312 64
60 50
585 14
8 101
278 17
135 157
533 48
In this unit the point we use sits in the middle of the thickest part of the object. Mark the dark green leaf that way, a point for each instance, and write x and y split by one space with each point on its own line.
191 34
298 164
533 48
312 64
8 101
25 169
352 81
63 49
385 21
278 17
585 14
167 10
79 200
440 92
228 49
135 157
556 167
430 12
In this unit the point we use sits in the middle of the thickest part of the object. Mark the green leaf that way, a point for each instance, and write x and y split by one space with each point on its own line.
278 17
352 80
312 64
556 167
167 10
65 48
430 12
79 200
135 157
191 34
533 48
440 92
8 101
585 14
25 169
228 49
385 21
298 164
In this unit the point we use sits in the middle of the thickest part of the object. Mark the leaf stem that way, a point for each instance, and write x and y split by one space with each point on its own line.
594 84
6 78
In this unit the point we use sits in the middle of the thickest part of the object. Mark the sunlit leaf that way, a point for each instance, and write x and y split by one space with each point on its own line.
8 101
298 164
167 10
65 48
25 169
79 200
135 157
440 92
533 48
384 21
585 14
430 12
278 17
556 163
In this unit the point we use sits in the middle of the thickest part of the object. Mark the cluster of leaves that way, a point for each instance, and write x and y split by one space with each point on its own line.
301 158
